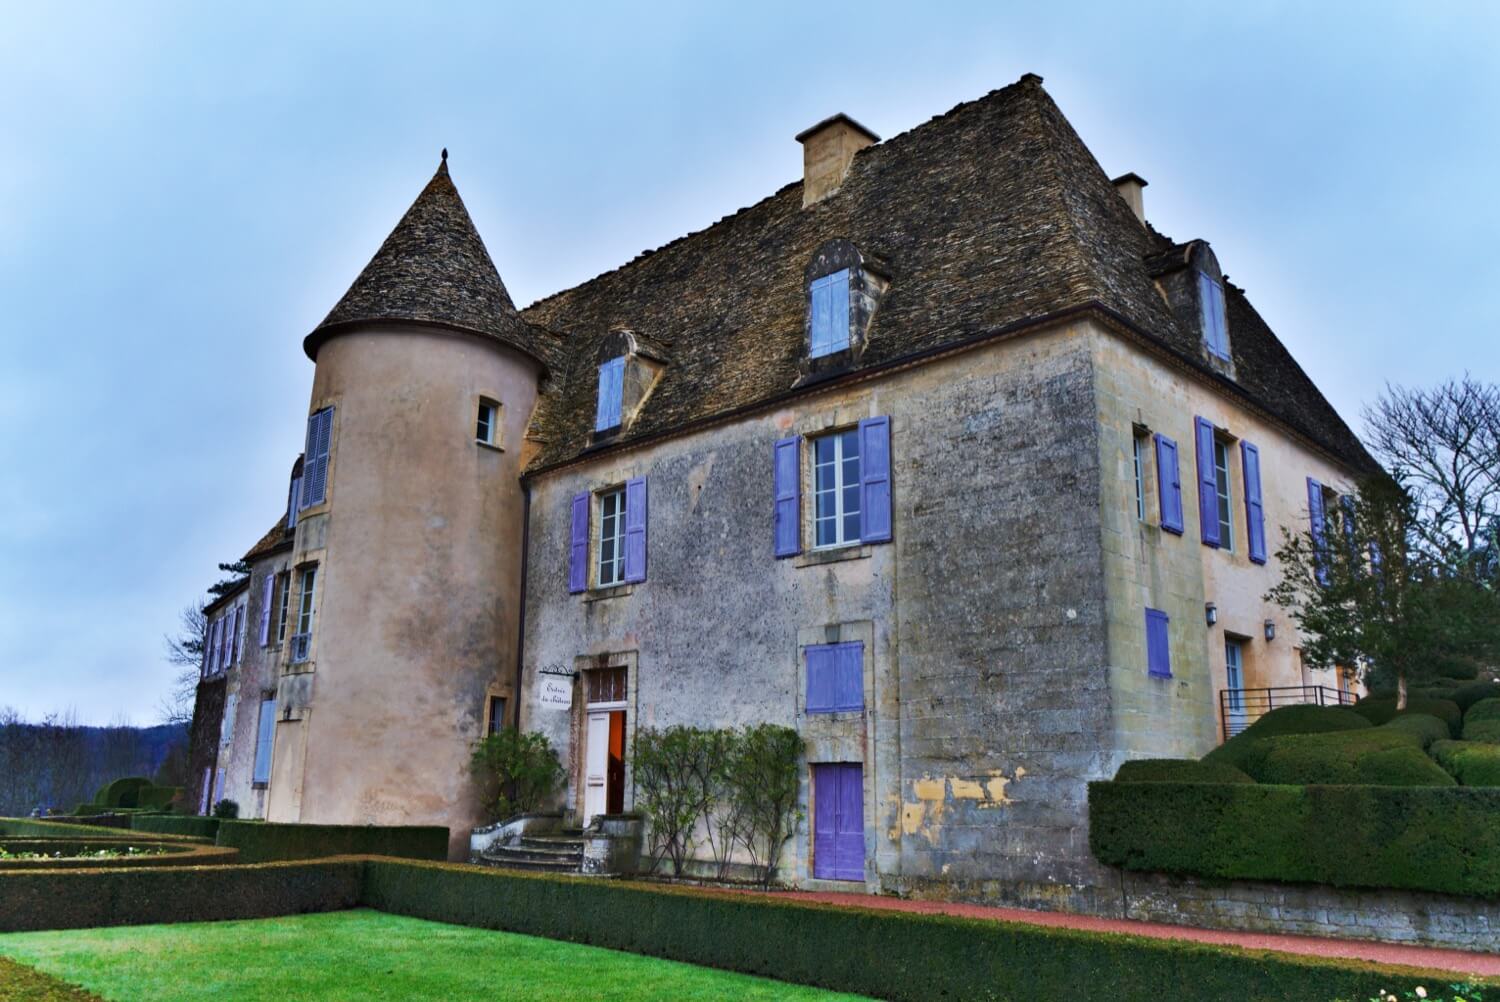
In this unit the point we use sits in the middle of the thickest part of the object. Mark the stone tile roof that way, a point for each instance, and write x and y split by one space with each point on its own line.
276 539
432 270
989 217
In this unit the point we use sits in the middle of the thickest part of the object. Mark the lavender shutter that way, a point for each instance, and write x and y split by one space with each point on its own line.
293 496
849 854
635 530
1208 486
825 820
267 591
849 687
1158 644
578 546
787 476
822 669
875 480
1317 524
1255 510
264 735
315 466
1169 484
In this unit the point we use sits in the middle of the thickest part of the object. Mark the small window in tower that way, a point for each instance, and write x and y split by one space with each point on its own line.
487 425
496 714
611 385
302 639
1215 322
830 313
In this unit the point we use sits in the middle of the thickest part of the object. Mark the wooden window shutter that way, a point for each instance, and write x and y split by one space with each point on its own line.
578 545
267 593
1169 484
1255 510
1158 644
635 530
875 479
787 477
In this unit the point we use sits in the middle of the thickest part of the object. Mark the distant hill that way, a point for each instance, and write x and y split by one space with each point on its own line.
56 764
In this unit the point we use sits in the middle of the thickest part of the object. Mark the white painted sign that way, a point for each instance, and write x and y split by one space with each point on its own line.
555 693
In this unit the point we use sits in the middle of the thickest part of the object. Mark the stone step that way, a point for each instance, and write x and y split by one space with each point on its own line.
512 861
552 843
534 855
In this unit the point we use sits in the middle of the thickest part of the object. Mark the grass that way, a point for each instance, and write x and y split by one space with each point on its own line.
360 956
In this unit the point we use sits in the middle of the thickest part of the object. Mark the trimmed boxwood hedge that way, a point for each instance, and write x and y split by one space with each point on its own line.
1382 709
178 824
1303 719
37 828
1178 770
177 853
885 954
1411 838
263 842
79 899
1472 763
1340 757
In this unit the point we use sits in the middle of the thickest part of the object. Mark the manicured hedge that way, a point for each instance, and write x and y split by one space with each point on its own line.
1303 719
261 842
177 824
122 792
1468 694
1472 763
1178 770
885 954
1382 709
1412 838
1339 757
78 899
178 853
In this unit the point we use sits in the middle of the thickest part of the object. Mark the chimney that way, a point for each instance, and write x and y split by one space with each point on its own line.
1129 186
827 150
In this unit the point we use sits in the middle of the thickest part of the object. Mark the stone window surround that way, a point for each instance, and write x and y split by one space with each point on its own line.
497 411
578 722
318 404
814 423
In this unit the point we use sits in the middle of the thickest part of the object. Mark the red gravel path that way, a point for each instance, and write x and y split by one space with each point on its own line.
1423 957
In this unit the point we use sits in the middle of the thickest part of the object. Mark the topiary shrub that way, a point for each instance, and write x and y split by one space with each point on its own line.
1427 729
1306 719
1382 710
1178 770
122 792
226 809
1469 693
1472 763
1483 730
1335 757
1401 767
176 824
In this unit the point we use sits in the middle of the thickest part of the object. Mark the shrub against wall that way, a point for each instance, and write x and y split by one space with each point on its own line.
261 842
519 770
1411 838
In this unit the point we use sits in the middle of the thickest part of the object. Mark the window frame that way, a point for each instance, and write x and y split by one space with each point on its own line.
487 423
1224 494
306 608
616 520
283 600
494 721
835 336
839 490
1140 443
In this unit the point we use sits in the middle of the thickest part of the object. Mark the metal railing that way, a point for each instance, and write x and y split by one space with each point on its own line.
1239 708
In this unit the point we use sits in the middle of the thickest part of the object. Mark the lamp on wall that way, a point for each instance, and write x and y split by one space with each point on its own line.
1270 629
1211 613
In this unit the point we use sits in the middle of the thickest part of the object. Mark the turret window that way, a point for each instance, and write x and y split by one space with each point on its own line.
1215 323
611 387
486 427
830 313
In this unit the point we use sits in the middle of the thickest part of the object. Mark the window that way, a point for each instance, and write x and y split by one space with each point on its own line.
1234 669
829 327
264 738
315 465
612 538
495 715
1317 523
608 685
1138 450
1215 324
1158 644
836 519
302 639
835 678
486 430
611 387
237 637
284 594
1221 488
291 503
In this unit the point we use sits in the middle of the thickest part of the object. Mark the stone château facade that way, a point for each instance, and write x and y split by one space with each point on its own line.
941 455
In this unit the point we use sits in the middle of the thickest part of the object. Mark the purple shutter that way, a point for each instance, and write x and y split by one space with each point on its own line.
825 820
293 496
1208 485
822 669
1255 510
849 687
578 546
635 530
1158 644
1317 525
315 463
787 476
1169 484
875 480
267 591
835 678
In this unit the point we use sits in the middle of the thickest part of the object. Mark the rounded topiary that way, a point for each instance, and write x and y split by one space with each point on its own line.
1178 770
1469 693
226 809
1484 709
1382 710
1401 767
123 792
1426 727
1472 763
1306 719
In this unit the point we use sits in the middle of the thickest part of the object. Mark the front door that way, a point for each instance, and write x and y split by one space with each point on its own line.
604 743
1234 675
839 821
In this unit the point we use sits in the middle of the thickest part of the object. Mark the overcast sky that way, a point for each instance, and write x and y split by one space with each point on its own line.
185 192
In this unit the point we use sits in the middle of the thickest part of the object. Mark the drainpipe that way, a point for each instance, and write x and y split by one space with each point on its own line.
521 612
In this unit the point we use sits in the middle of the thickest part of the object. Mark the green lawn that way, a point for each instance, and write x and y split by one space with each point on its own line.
364 955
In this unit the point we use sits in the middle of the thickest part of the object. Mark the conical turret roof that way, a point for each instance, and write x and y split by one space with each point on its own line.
432 270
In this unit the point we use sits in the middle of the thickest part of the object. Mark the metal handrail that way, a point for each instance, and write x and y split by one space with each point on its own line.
1239 708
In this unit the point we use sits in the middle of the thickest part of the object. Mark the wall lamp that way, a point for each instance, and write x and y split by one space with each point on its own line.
1211 613
1270 629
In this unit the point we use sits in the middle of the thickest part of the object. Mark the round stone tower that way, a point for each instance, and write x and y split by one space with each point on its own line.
404 605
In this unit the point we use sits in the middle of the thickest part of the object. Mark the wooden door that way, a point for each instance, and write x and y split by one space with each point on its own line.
839 821
596 766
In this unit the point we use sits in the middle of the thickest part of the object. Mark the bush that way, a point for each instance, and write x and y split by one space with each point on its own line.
882 953
1382 709
122 792
1467 695
226 809
79 899
1401 767
176 824
678 776
1179 770
1409 838
1335 757
520 772
261 842
1487 731
35 828
1484 709
1304 719
176 853
762 779
1472 763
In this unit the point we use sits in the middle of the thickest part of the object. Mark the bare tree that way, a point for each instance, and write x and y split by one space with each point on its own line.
185 652
1443 445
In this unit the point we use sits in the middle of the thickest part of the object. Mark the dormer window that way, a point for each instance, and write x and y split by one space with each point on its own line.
830 313
611 387
1215 322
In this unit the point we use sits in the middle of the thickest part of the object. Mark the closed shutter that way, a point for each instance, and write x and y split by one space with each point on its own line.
1158 644
1169 484
787 476
635 530
578 546
849 689
835 678
1317 525
294 496
265 734
232 622
875 480
1208 488
822 671
1255 511
315 465
267 592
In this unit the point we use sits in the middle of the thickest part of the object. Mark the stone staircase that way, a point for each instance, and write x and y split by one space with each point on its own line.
557 852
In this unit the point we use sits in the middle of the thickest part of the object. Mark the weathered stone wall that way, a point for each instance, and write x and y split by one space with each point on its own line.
986 694
251 681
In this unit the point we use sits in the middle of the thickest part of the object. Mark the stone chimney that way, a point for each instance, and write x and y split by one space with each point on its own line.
827 150
1129 186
